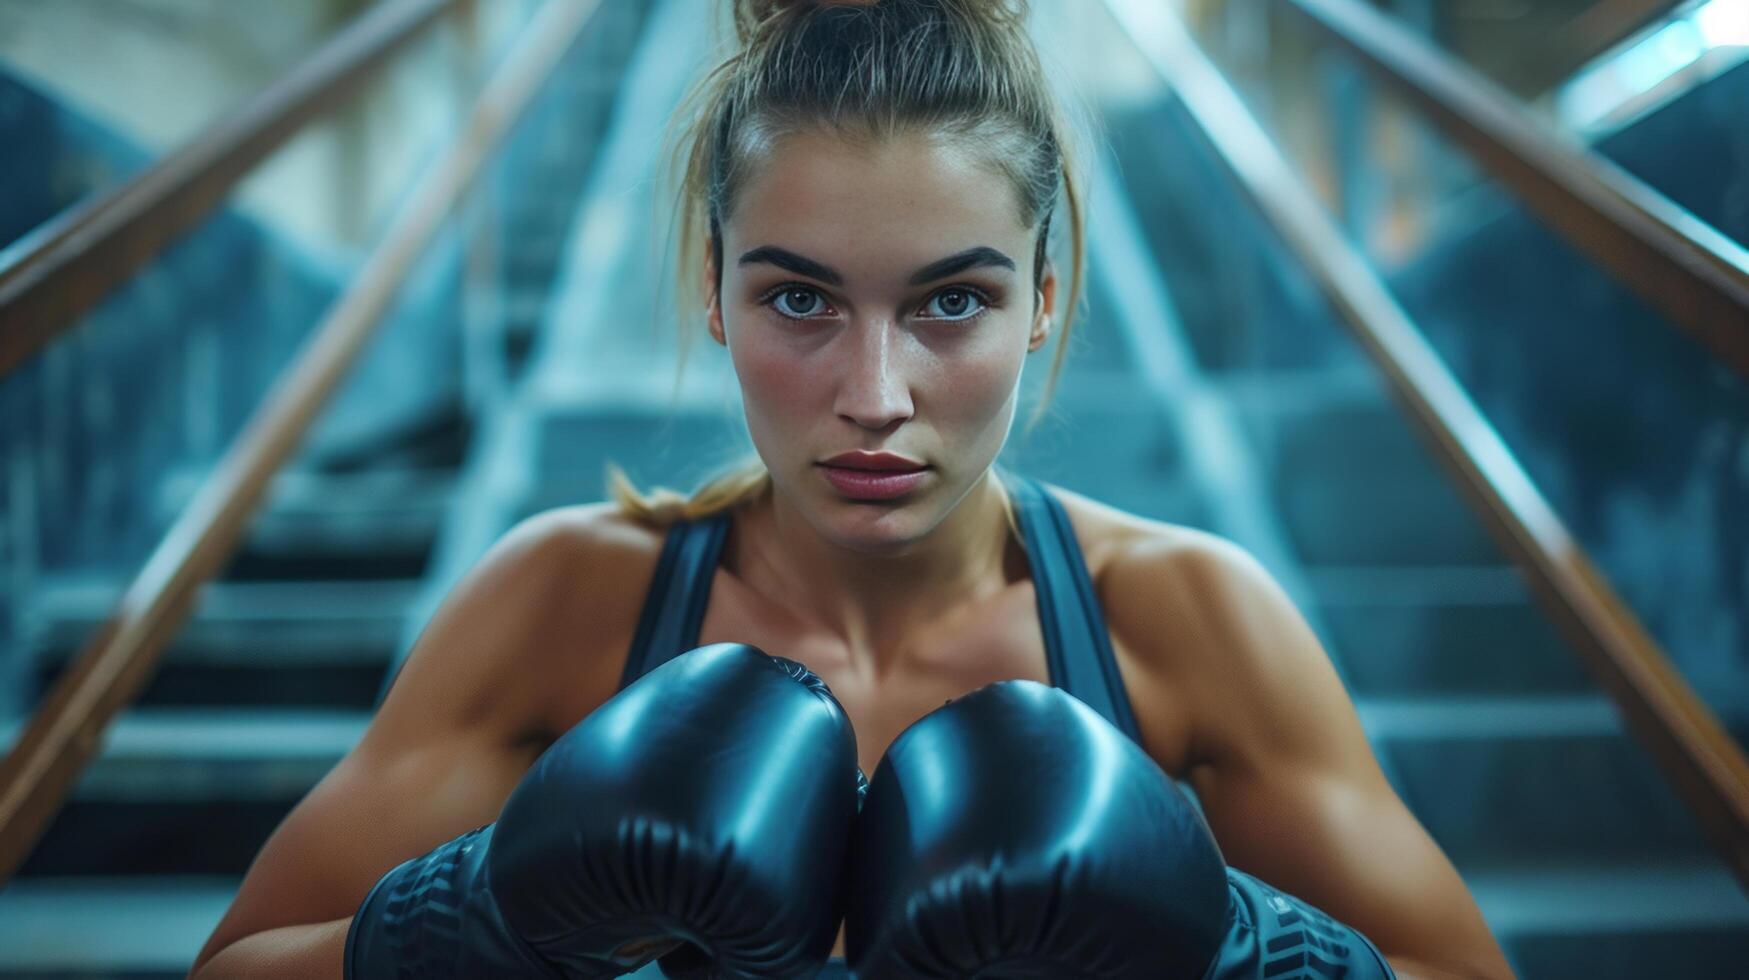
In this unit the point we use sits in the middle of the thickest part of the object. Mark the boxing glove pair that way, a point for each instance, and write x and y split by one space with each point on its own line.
707 816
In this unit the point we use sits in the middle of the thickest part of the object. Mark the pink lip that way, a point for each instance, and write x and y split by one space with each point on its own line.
862 484
860 460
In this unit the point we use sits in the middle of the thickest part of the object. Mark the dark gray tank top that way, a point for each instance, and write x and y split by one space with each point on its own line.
1078 650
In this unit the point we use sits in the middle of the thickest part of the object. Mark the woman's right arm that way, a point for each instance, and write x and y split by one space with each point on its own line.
458 729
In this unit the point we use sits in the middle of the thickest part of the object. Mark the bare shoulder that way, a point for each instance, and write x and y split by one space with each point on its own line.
594 566
576 559
589 536
538 628
603 566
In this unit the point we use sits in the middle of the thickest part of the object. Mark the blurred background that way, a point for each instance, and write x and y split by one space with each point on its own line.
1438 307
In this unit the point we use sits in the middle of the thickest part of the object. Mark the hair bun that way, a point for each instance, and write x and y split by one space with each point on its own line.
769 7
760 10
752 16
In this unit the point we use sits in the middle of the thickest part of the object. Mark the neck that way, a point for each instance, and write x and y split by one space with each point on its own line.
873 603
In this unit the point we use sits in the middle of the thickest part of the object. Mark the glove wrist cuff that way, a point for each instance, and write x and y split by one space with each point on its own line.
434 916
1270 932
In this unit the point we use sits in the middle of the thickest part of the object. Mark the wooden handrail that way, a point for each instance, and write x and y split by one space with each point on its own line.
66 728
1698 277
74 260
1693 750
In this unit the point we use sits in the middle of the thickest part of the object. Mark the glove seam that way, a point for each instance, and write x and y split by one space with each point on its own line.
348 970
1237 919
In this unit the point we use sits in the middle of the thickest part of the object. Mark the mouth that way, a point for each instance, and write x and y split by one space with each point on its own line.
864 483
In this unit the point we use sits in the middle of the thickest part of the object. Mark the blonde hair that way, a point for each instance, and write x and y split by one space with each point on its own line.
864 70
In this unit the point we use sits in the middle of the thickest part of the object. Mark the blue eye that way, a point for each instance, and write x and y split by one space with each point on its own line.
961 307
790 292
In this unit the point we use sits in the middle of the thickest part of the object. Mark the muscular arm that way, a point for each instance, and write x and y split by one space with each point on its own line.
458 728
1279 761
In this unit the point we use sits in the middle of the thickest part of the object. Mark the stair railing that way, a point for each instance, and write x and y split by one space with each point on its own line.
1690 746
63 269
1687 269
71 262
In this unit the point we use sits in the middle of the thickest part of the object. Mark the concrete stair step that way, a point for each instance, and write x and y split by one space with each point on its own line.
1403 631
190 790
1240 297
1353 484
248 643
1106 437
436 438
94 926
1551 777
1621 919
640 430
365 524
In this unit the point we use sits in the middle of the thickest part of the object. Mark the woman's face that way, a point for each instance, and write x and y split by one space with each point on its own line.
877 299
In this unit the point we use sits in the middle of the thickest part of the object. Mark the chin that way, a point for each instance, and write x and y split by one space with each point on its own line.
881 529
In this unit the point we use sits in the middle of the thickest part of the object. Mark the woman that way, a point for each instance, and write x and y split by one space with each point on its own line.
873 185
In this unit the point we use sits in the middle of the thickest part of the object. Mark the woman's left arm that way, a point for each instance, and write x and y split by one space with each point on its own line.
1285 774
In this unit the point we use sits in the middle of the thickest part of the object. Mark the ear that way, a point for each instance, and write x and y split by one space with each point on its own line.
713 302
1041 320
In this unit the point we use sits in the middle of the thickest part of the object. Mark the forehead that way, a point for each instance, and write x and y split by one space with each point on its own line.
911 196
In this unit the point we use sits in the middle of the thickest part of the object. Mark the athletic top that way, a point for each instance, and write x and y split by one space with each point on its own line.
1078 650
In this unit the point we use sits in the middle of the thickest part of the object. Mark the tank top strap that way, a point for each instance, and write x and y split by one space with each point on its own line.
679 592
1078 648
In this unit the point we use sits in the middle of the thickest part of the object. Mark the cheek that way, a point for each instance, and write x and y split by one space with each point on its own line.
776 386
970 385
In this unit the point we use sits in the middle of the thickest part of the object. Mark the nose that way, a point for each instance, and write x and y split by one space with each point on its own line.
874 391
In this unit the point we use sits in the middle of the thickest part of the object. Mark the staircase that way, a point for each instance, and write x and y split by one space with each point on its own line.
1207 386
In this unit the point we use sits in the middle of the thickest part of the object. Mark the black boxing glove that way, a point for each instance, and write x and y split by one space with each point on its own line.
700 816
1016 833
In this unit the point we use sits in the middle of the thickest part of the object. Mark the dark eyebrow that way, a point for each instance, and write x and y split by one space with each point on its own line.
939 269
959 262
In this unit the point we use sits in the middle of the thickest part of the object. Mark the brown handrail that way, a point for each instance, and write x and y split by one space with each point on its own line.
1684 267
73 261
1697 754
66 728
